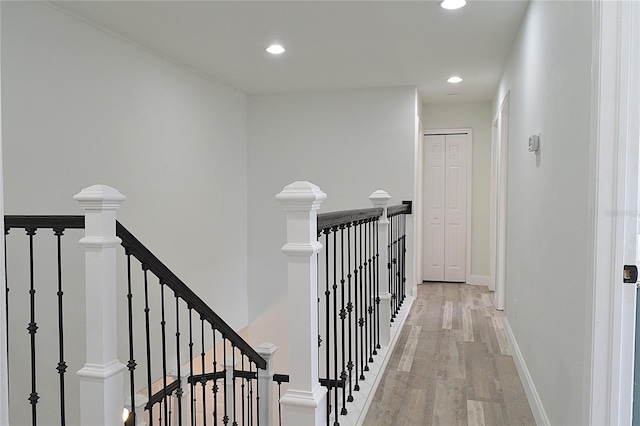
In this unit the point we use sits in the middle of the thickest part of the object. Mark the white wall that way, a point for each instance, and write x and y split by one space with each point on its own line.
349 143
476 116
83 107
549 79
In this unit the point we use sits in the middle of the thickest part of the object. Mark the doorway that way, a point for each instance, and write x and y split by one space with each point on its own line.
446 195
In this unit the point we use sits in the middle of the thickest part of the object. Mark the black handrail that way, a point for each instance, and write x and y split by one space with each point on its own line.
67 222
405 207
330 220
140 252
144 255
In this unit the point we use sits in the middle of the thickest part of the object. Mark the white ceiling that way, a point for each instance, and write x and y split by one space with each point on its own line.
330 44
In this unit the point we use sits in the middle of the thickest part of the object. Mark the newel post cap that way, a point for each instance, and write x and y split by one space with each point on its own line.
301 195
380 198
101 197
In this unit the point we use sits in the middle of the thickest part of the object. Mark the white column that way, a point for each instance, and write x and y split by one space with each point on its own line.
304 403
138 408
380 199
265 383
101 378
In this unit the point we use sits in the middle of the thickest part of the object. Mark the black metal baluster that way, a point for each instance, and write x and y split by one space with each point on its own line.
392 258
225 419
349 310
279 404
389 263
62 365
250 393
164 348
363 313
131 365
215 378
192 386
334 232
6 291
179 390
404 256
377 271
327 336
242 389
233 383
370 299
343 317
32 328
258 398
147 324
203 380
356 319
367 298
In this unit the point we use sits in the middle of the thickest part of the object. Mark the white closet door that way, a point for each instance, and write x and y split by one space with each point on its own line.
455 223
445 208
434 204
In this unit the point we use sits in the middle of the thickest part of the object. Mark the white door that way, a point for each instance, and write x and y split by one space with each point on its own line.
445 208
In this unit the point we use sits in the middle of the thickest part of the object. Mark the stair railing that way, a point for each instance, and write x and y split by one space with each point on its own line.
185 364
339 292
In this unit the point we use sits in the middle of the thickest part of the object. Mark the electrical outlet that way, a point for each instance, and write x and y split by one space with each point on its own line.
515 308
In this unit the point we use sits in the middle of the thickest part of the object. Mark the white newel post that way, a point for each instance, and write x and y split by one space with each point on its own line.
265 383
304 403
101 379
380 199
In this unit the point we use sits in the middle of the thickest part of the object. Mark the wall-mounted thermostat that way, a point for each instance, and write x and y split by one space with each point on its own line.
534 143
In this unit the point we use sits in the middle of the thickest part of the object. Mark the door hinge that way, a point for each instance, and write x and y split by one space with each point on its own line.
630 274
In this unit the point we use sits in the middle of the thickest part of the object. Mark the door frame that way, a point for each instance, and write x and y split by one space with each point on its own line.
469 133
498 211
613 200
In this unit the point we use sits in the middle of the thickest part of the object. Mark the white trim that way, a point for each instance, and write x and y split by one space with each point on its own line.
493 203
501 170
364 397
613 196
469 133
539 414
478 280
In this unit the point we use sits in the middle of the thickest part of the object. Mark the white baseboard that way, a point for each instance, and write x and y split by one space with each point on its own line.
478 280
363 398
527 382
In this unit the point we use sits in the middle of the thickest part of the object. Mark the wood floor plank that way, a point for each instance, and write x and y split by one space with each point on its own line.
409 349
475 413
517 407
493 414
498 324
467 324
447 315
450 405
463 375
450 362
419 409
479 371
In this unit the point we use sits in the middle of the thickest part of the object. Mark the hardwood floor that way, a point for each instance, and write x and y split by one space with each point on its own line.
452 365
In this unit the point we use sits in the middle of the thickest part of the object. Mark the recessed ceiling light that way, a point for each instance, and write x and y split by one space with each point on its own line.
454 79
452 4
275 49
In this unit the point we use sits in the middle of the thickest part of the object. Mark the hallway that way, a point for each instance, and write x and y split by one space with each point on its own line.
452 365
